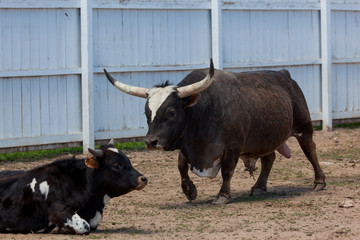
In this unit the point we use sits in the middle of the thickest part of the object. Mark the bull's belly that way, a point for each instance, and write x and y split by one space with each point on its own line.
208 172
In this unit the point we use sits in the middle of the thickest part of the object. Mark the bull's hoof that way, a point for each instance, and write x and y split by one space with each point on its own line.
318 186
189 190
257 190
221 200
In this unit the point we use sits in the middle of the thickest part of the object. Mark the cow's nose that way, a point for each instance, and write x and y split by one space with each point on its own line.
144 180
151 144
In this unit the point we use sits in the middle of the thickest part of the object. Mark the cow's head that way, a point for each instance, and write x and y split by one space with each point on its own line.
165 108
113 171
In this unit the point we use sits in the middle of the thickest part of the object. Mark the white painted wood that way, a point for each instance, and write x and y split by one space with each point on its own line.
39 4
126 133
216 23
44 105
87 76
144 42
8 107
271 6
35 107
26 107
62 105
11 142
16 108
153 5
325 15
2 105
272 64
346 115
33 73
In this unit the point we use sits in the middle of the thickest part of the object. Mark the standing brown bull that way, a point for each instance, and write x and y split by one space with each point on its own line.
214 117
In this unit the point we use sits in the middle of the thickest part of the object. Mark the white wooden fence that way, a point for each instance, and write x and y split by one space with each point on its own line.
53 90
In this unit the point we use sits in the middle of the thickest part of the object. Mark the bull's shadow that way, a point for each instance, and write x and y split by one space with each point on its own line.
276 192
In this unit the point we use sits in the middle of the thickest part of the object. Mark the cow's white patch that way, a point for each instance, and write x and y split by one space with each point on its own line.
41 230
157 96
106 199
209 172
44 188
114 150
94 222
79 225
32 184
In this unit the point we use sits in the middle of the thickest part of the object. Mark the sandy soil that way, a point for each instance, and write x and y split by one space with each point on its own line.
289 210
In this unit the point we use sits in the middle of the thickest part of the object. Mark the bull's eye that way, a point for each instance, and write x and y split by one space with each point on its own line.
171 113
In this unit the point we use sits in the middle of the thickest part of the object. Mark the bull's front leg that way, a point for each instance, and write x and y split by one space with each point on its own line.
266 165
187 185
228 164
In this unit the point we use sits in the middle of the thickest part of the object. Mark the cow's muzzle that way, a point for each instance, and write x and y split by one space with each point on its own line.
153 144
142 181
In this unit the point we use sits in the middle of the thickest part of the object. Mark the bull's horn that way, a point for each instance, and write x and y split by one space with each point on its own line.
198 86
132 90
97 153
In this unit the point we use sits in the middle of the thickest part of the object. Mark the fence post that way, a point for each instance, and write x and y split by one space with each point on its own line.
87 75
216 36
325 13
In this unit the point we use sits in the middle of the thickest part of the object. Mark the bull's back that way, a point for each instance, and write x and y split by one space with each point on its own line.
255 109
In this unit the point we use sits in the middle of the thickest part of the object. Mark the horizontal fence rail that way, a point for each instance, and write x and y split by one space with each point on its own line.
52 86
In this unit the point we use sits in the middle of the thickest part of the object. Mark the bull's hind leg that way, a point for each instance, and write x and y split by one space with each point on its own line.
266 165
309 148
228 164
187 185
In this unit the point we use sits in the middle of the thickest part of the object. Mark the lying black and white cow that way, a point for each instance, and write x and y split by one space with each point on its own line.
65 196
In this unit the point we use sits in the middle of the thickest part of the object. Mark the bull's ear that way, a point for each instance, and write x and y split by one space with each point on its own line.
192 100
91 163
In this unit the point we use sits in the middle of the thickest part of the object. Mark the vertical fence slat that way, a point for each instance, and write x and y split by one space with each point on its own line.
216 13
87 75
325 14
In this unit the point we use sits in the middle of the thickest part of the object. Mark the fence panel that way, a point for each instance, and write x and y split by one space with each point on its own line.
146 42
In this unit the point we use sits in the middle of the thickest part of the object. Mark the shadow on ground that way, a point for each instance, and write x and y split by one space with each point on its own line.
125 230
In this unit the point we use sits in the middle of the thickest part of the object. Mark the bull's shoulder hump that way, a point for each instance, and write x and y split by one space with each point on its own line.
194 76
285 72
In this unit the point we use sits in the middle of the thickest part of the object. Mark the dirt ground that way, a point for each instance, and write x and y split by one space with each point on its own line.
289 210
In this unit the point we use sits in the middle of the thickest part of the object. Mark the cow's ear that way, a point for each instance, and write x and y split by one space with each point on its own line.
91 163
192 100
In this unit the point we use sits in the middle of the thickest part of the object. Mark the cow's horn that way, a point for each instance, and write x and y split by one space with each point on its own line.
111 141
97 153
198 86
132 90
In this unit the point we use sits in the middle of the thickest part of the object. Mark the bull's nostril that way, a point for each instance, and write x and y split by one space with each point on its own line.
144 179
154 143
151 143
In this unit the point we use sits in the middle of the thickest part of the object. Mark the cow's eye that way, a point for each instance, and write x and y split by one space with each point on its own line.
117 166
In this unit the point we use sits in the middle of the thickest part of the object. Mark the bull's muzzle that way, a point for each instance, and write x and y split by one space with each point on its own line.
142 181
153 144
